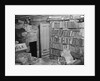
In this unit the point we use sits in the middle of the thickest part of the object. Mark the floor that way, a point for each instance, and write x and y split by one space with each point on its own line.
41 61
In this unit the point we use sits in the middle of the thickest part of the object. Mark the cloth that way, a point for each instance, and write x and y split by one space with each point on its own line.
67 55
62 60
23 58
28 28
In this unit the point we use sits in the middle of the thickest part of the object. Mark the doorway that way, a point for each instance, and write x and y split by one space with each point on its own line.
33 48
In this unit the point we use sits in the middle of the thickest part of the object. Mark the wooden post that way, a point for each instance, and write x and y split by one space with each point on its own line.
39 43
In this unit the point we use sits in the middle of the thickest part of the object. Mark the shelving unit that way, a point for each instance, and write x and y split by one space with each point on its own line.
56 37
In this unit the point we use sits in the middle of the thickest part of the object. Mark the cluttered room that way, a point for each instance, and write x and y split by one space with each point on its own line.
49 39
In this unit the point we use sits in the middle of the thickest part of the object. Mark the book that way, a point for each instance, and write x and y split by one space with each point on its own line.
61 24
63 41
67 33
81 42
67 40
56 24
81 25
77 42
60 32
65 25
81 33
55 52
72 24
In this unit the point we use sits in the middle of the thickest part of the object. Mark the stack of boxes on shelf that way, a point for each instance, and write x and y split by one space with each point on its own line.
64 34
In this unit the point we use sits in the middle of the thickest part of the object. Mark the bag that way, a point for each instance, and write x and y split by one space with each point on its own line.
66 54
24 58
62 60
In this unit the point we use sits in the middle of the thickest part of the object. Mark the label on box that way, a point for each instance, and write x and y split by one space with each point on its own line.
19 47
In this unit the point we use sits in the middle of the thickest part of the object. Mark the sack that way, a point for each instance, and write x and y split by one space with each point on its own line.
24 58
76 55
66 54
62 60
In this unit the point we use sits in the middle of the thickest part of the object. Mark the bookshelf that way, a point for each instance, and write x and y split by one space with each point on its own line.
65 34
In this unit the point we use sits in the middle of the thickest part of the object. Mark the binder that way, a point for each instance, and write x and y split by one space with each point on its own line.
74 41
77 42
65 25
61 24
70 41
52 32
51 44
67 34
67 40
69 24
63 33
63 40
52 24
73 34
82 32
60 32
81 42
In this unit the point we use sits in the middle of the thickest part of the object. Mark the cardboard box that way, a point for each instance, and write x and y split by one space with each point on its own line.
19 47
